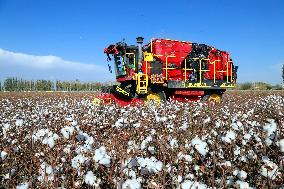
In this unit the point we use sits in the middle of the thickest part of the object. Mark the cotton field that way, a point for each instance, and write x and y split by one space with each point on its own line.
61 140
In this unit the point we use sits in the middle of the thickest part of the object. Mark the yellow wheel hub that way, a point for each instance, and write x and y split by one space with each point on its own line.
96 101
153 97
215 98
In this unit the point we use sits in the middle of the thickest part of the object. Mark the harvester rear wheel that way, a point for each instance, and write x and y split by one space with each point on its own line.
215 98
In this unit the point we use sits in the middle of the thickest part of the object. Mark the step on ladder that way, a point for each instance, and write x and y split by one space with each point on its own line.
142 83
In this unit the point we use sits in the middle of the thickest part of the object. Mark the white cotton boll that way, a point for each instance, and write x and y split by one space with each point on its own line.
174 143
49 169
23 186
77 161
6 126
207 120
214 132
186 145
251 155
45 140
243 159
242 175
151 164
151 149
70 129
242 184
158 166
3 155
14 141
55 136
230 180
41 133
13 172
237 151
164 119
131 184
239 124
101 157
188 184
280 143
200 146
270 129
145 142
196 167
50 133
268 142
246 139
234 126
217 124
170 127
74 123
68 118
50 142
168 168
121 122
227 164
179 179
67 149
105 160
269 169
136 125
90 179
187 158
19 122
65 133
229 137
184 126
153 131
45 169
132 174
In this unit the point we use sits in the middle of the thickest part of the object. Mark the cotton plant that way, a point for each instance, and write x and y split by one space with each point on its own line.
63 140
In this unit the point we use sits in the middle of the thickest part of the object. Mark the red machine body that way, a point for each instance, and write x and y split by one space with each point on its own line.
170 69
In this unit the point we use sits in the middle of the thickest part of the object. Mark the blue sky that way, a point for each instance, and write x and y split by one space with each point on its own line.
76 32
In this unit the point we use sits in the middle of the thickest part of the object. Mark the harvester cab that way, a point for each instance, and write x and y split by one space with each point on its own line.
165 68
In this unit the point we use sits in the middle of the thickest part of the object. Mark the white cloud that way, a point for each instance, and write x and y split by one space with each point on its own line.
29 66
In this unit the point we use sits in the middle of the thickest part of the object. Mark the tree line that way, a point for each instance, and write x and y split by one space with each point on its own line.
15 84
258 86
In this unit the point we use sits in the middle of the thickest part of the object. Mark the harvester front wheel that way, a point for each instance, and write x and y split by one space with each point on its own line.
96 101
153 98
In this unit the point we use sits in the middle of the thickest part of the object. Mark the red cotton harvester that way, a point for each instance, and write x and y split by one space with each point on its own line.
166 68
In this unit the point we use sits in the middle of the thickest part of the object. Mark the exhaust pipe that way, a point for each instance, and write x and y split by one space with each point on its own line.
139 42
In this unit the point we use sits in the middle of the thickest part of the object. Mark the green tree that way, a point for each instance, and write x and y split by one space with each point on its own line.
246 86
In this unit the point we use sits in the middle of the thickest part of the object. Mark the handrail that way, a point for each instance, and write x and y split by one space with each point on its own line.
185 69
214 62
231 71
169 56
228 71
200 70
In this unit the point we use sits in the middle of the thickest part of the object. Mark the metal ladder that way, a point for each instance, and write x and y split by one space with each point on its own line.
142 83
